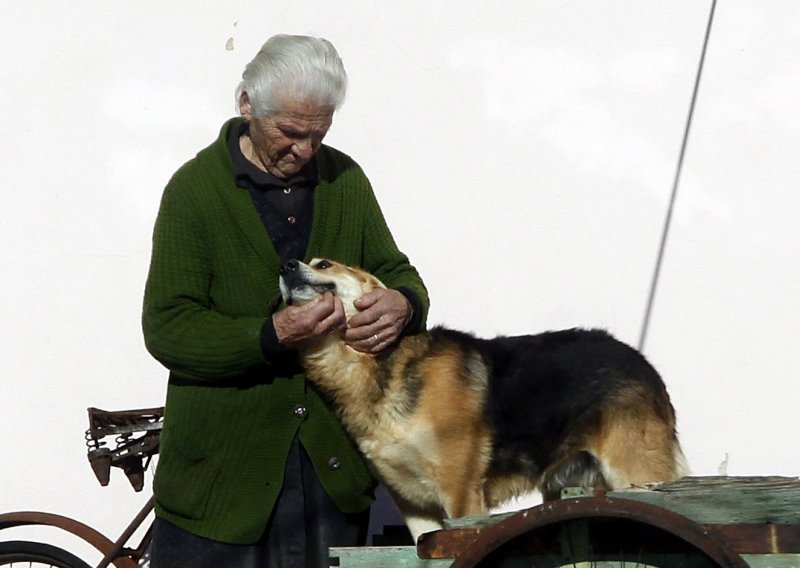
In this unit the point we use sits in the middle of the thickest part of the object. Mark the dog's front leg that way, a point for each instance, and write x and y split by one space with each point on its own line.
464 501
419 524
418 521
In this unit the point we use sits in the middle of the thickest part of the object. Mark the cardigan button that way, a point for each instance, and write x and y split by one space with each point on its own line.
300 411
334 463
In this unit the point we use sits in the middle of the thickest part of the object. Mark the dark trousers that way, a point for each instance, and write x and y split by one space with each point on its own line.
304 524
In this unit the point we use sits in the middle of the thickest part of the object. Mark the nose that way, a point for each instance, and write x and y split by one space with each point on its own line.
289 266
303 149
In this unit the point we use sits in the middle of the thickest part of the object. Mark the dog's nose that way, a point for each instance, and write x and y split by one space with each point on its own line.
289 266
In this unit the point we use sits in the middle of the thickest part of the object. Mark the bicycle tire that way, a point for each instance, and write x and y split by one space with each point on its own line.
37 555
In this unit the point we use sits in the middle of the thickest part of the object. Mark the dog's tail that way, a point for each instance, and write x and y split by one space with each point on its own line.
681 463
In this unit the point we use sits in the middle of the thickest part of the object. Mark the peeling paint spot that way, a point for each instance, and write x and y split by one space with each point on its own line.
229 44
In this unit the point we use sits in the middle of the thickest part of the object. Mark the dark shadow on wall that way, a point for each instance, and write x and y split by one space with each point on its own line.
386 525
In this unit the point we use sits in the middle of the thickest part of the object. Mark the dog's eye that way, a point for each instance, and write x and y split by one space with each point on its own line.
322 265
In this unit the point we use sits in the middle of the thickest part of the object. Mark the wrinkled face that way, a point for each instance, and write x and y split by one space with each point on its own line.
286 141
302 282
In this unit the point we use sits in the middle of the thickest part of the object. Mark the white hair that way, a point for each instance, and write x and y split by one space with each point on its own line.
291 67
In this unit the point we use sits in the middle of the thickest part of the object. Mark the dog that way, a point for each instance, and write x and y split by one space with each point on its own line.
454 424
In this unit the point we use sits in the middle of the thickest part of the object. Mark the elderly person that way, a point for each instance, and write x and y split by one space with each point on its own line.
255 469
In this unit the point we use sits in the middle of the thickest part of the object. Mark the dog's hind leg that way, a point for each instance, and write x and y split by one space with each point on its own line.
636 443
580 469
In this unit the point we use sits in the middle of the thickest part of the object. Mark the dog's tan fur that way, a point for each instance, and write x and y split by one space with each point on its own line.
418 413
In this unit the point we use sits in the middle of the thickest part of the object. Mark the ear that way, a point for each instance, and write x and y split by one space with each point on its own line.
245 108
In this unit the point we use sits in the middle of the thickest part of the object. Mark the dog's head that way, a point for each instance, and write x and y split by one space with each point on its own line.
301 283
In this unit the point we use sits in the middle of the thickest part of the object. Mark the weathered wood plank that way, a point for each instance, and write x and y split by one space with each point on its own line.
383 557
731 500
772 560
757 517
405 557
476 521
706 500
758 538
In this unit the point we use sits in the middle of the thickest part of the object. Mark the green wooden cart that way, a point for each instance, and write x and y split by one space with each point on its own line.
696 522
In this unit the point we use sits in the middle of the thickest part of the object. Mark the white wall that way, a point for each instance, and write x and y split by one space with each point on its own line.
523 152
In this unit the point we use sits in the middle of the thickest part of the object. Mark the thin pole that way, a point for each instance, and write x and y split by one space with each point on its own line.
668 220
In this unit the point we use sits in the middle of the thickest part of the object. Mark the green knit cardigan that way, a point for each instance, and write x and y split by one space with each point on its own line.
230 412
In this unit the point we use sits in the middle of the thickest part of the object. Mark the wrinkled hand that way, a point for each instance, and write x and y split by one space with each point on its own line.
298 324
380 321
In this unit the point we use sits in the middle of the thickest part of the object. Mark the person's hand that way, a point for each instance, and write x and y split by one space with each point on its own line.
298 324
380 321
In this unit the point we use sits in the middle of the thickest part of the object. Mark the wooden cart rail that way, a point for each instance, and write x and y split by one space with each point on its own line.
733 522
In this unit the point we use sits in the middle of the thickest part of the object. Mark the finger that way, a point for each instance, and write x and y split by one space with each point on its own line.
384 340
383 314
372 344
363 332
295 324
370 306
369 299
367 317
335 320
321 307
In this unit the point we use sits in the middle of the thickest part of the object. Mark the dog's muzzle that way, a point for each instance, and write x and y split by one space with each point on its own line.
296 277
288 267
289 276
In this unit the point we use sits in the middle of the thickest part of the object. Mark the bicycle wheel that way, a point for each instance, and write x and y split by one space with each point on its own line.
20 553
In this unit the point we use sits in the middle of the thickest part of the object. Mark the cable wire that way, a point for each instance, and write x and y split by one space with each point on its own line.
675 183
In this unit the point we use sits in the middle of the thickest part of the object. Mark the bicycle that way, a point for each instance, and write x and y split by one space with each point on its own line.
136 437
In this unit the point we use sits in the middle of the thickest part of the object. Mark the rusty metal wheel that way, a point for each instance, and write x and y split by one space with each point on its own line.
596 531
37 555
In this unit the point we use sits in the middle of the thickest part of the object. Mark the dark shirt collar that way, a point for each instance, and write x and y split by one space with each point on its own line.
248 176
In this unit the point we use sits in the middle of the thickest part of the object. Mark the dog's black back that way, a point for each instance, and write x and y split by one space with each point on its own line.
543 388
